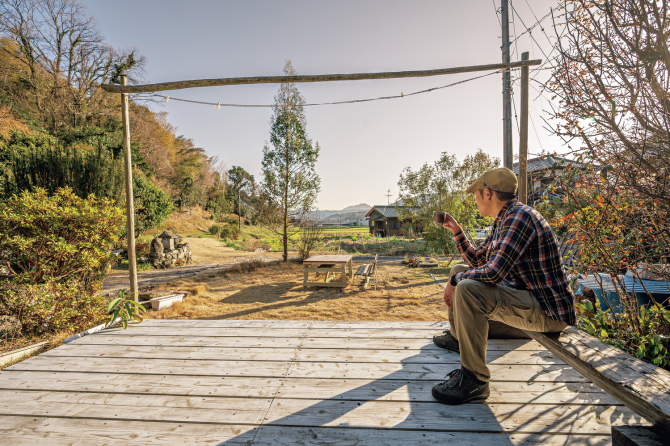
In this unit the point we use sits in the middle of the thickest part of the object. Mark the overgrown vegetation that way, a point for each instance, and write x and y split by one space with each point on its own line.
441 187
611 79
55 250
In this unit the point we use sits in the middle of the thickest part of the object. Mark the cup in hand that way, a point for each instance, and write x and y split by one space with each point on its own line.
438 218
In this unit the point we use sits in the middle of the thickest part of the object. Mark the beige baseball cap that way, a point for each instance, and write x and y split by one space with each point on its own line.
501 179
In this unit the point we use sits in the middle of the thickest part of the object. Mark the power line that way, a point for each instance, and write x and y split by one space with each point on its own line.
530 29
527 29
401 95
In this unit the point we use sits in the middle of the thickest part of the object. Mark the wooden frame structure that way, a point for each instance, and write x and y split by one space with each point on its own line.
125 89
328 264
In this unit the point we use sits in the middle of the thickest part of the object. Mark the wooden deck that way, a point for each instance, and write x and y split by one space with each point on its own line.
292 383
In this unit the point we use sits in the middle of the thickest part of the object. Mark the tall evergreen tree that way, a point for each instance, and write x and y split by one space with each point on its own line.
290 182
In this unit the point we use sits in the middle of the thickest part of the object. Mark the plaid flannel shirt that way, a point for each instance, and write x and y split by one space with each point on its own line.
521 252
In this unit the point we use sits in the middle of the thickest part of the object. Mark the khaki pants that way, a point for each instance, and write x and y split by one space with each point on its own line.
474 304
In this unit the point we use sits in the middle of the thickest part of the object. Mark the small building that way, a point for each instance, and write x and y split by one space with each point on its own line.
384 221
542 171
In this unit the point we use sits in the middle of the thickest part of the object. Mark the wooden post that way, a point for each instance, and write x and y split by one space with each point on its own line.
130 208
523 134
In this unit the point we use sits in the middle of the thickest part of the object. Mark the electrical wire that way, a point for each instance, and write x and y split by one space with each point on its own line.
401 95
528 29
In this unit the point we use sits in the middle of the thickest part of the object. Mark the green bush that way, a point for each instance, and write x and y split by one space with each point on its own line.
55 251
649 343
152 204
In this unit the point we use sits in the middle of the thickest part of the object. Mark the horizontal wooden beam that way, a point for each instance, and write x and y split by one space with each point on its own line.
641 386
180 85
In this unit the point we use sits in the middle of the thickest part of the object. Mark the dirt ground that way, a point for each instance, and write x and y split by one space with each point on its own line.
275 291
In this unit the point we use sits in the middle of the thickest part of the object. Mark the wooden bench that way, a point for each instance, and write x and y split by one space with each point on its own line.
366 271
642 387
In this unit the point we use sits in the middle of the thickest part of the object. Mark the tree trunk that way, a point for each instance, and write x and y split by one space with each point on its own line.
286 182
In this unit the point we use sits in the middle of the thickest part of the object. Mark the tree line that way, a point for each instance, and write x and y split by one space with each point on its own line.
60 129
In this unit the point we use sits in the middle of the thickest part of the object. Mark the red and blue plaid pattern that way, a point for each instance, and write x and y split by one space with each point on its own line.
522 252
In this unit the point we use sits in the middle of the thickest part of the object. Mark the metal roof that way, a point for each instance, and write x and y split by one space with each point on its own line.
386 211
545 162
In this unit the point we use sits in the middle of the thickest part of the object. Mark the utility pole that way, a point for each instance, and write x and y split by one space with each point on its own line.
130 211
508 159
239 209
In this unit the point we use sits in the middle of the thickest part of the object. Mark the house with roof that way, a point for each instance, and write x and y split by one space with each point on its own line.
384 220
542 172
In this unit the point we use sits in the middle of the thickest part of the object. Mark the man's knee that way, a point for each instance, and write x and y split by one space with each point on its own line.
465 288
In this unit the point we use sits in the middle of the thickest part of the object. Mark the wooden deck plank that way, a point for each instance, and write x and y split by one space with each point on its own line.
314 436
491 418
350 389
140 384
29 431
272 332
214 323
308 355
155 331
59 431
420 391
153 366
552 373
134 407
304 343
325 370
192 341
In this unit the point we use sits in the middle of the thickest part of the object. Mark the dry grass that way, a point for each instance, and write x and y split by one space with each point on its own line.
196 221
275 291
9 124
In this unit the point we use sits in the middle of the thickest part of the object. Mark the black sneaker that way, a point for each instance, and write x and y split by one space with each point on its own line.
461 387
447 341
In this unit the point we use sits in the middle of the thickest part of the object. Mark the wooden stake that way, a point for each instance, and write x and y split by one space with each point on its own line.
130 208
523 134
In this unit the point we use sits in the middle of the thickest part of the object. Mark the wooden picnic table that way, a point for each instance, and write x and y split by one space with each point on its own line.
328 264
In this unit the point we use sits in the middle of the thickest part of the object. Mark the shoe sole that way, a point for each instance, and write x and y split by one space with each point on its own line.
477 399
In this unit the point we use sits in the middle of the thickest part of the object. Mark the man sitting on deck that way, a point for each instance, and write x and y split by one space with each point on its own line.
515 277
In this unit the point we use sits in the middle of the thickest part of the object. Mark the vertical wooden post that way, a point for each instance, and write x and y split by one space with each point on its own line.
523 134
130 208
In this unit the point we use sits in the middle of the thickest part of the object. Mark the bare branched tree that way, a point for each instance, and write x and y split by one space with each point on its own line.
612 82
62 59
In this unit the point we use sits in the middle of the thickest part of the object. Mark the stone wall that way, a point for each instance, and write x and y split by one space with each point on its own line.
160 257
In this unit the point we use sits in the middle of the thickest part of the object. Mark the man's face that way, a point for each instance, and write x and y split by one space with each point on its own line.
484 200
480 202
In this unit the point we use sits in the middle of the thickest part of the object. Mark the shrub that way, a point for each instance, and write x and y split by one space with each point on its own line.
53 306
55 251
649 342
152 204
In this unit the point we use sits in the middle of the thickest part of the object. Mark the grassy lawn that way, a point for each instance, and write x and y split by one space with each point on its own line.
275 291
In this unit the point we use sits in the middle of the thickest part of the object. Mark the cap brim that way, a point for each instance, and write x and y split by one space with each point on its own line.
477 185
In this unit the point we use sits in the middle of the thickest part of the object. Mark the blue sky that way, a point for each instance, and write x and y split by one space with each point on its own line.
364 146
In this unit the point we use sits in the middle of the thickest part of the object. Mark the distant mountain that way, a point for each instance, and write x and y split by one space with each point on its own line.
358 208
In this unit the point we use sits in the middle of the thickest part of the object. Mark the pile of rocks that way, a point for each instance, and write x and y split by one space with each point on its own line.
168 251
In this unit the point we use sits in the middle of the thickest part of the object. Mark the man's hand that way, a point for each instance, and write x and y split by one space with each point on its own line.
448 294
451 224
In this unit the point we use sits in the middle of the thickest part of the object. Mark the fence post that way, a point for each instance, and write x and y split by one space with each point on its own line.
523 134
